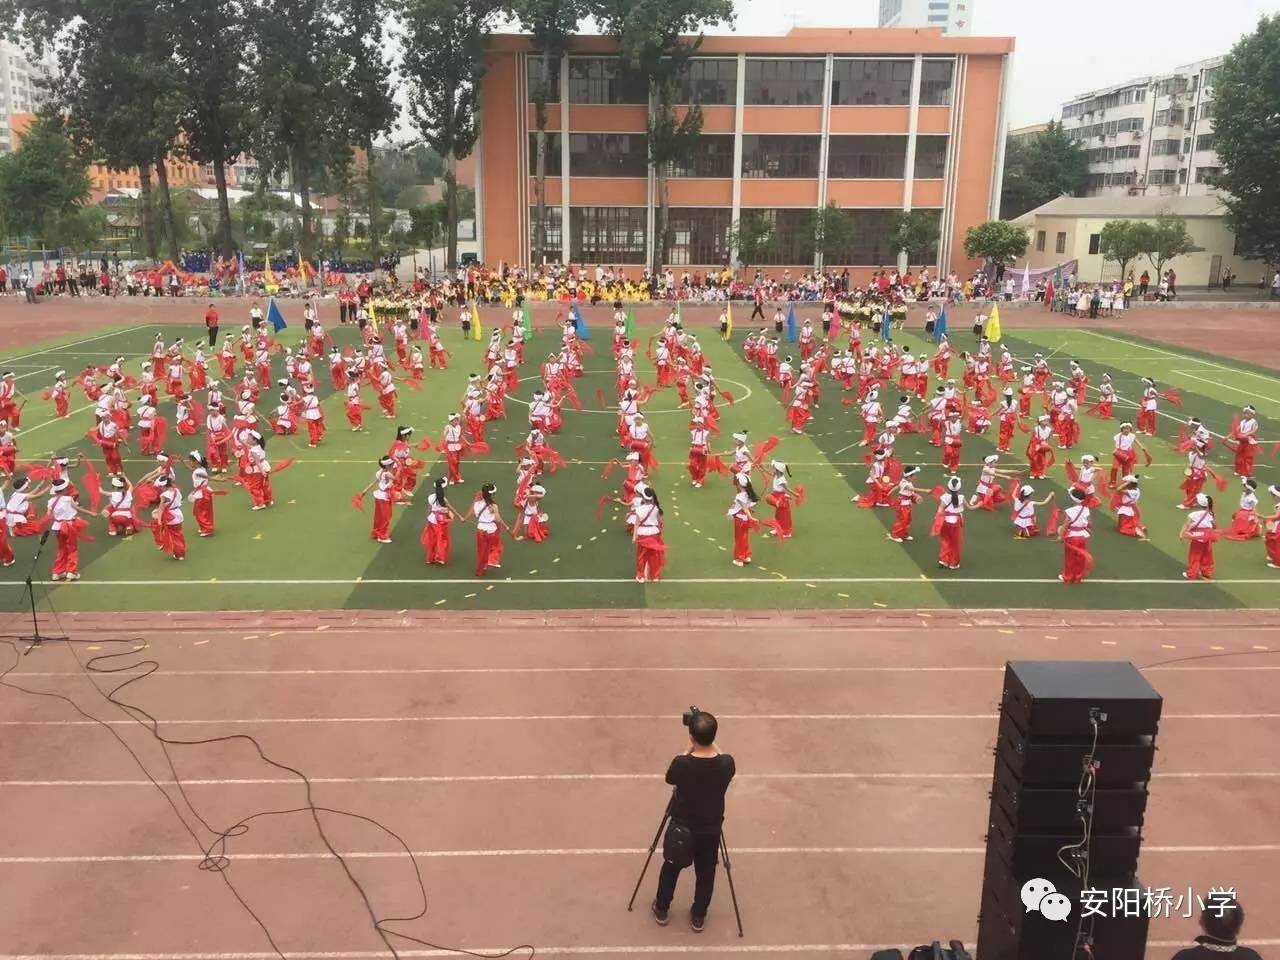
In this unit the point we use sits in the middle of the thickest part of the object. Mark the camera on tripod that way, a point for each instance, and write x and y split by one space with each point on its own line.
687 718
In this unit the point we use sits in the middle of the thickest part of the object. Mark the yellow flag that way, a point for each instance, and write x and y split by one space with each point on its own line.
476 332
993 324
373 317
728 315
267 275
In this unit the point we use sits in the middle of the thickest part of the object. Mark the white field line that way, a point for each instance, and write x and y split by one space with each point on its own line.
72 346
1224 386
34 373
1234 371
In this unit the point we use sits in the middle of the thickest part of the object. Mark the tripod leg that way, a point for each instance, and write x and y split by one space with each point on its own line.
652 847
728 873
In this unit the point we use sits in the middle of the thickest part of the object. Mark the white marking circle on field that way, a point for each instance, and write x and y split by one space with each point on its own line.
746 392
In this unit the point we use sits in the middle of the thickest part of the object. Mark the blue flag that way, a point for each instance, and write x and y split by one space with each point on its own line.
886 323
940 325
579 324
791 323
275 317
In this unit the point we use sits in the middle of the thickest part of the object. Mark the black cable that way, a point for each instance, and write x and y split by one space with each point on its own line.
214 856
1209 656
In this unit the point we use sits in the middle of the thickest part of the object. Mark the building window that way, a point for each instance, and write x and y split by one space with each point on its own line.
1206 110
872 240
602 80
553 154
710 80
791 241
534 78
871 82
607 234
553 248
1207 174
780 155
608 155
1165 148
700 235
713 158
1186 145
1095 241
931 158
866 158
785 82
1040 241
935 83
1182 175
1060 245
1205 141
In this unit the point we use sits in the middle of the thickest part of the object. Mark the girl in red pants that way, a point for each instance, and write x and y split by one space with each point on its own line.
1200 533
66 526
201 495
532 517
651 551
488 518
436 541
905 498
383 487
1074 533
1271 529
948 525
780 499
743 518
121 520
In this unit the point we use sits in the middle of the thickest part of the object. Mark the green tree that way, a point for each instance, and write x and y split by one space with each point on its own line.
364 89
1123 241
1039 168
1168 240
444 44
997 241
752 237
214 90
916 233
832 231
1246 127
341 230
552 24
656 38
44 187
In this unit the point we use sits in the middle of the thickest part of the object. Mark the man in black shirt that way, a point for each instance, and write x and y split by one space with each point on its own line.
701 775
1221 924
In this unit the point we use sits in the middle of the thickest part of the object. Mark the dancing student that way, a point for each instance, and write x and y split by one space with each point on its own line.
906 498
1199 532
488 518
989 494
743 519
948 525
1271 529
532 517
201 495
1125 504
1074 532
1025 525
646 534
436 540
1245 522
780 499
383 486
121 520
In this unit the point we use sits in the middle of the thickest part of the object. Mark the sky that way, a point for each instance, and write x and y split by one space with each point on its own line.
1063 49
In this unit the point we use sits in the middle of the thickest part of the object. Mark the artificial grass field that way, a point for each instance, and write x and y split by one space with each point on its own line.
312 550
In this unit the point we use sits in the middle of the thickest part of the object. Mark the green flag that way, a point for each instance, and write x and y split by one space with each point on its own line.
631 324
526 320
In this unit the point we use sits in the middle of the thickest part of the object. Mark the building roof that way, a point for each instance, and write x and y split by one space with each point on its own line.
1121 208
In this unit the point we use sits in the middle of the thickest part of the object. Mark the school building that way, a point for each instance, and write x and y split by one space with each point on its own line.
874 121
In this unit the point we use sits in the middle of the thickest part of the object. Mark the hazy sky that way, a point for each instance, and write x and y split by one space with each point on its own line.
1063 48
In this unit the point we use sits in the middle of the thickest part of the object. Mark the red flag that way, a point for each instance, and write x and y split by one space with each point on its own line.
357 501
283 465
776 527
764 449
573 396
600 399
1052 527
1172 395
1219 482
37 472
1072 474
480 446
847 401
600 505
799 495
424 444
609 468
728 397
1146 456
92 486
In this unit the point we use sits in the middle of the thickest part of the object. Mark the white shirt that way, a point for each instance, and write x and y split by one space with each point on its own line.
1077 521
486 515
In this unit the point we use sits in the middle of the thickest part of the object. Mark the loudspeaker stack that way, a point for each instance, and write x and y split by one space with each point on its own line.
1056 718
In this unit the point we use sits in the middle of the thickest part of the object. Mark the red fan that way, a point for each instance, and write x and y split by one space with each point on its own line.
1072 473
600 399
1172 395
424 445
479 446
357 501
767 447
47 394
1024 426
799 495
717 465
600 505
728 397
1052 526
1218 481
1146 456
38 472
847 401
283 465
609 467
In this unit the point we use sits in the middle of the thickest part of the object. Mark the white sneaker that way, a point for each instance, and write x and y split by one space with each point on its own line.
738 563
73 576
58 576
380 540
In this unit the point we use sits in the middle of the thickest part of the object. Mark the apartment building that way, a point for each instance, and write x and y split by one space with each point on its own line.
1150 136
954 17
875 121
21 88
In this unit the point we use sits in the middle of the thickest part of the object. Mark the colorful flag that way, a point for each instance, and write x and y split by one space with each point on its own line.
579 324
274 316
728 316
791 323
993 324
476 332
267 275
940 325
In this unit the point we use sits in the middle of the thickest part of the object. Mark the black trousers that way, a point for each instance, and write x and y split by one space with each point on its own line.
213 335
756 311
706 853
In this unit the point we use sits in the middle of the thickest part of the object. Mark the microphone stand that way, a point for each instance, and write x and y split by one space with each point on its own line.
35 638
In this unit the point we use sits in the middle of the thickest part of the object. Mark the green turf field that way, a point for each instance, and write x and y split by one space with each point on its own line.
312 550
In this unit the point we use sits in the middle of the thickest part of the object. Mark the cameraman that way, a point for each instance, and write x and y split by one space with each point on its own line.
701 775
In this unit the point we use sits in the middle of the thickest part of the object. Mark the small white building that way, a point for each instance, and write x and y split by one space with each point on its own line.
954 17
22 89
1149 136
1070 228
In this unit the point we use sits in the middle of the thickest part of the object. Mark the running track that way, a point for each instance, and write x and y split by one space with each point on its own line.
521 756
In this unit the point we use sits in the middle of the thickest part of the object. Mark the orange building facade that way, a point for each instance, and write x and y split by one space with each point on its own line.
874 121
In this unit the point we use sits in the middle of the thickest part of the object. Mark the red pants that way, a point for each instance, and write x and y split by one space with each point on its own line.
488 551
1122 464
799 417
1200 559
697 466
219 455
741 540
122 524
1272 540
869 432
935 429
651 554
260 489
902 524
782 514
454 459
381 520
111 457
1244 458
437 543
203 510
1006 436
1191 486
174 541
1147 422
315 431
67 559
950 544
1130 525
355 415
61 405
1039 461
388 403
1077 561
951 456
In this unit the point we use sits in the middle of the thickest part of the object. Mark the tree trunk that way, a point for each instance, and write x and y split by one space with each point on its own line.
166 212
146 211
375 205
540 172
304 242
223 232
451 210
661 241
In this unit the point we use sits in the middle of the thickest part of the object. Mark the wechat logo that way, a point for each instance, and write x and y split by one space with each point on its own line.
1041 896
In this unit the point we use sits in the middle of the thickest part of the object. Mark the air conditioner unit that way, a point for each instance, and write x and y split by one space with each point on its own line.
1181 157
1137 135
